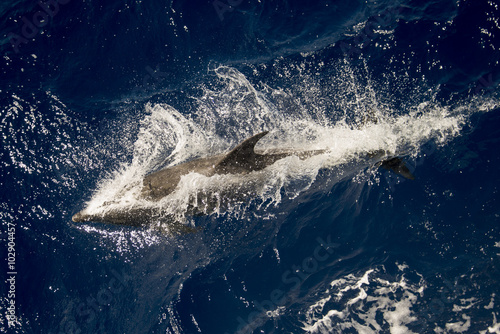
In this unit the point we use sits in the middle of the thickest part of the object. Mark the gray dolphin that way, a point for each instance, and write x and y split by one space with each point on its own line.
241 160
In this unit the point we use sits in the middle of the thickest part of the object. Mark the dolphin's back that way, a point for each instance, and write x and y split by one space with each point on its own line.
240 160
161 183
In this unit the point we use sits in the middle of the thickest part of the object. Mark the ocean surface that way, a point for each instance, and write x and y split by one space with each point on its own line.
95 95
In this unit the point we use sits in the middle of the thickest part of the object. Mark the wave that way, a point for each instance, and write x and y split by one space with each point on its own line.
377 301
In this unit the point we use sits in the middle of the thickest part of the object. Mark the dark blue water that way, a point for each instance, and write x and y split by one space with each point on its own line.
95 94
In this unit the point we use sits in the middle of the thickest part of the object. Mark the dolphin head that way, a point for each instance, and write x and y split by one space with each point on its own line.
80 217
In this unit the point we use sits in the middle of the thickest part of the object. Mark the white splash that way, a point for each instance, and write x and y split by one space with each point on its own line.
239 110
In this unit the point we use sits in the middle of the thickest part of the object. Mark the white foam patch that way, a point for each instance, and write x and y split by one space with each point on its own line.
377 302
366 303
494 328
459 327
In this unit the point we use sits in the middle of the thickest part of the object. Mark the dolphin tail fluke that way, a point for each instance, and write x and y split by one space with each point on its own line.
398 166
405 172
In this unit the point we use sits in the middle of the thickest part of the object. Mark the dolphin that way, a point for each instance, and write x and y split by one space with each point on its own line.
239 161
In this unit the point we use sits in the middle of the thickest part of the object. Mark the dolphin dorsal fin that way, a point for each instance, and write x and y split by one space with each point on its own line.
240 157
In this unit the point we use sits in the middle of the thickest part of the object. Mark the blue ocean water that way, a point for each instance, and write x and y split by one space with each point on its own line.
96 95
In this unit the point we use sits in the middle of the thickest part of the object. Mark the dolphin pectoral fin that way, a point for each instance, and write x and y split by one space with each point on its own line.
242 157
